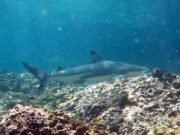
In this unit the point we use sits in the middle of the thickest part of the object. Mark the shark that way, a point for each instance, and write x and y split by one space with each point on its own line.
98 70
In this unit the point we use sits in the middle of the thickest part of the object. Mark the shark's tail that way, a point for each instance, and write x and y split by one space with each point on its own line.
40 75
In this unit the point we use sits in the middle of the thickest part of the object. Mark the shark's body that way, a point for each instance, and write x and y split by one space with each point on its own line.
90 73
99 71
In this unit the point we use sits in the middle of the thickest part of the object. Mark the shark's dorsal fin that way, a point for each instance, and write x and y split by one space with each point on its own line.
95 57
59 68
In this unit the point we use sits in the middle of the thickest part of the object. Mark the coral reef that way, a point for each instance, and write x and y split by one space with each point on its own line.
142 105
17 82
23 89
26 120
163 76
145 107
176 83
9 81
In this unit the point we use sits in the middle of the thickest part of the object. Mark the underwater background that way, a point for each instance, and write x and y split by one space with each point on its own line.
49 33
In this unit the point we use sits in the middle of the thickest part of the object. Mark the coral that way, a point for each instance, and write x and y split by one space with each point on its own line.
130 106
135 105
16 82
158 73
23 120
176 83
163 76
162 130
122 99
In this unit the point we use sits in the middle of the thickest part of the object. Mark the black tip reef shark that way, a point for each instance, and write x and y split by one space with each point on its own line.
99 70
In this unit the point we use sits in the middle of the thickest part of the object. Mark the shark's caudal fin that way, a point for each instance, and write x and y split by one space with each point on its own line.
40 75
95 57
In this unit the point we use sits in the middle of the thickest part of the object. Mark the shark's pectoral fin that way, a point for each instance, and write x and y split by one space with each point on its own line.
118 77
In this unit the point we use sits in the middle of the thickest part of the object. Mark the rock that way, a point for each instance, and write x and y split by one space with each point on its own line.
113 127
151 106
99 123
50 116
157 73
161 131
112 133
173 114
80 130
178 123
163 76
95 110
177 131
176 83
178 93
122 99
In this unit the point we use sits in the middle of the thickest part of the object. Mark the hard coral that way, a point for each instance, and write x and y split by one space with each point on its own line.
176 83
123 99
163 76
23 120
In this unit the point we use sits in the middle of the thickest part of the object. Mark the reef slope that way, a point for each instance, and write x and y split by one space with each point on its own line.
143 105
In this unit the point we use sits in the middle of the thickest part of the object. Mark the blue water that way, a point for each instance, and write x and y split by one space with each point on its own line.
49 33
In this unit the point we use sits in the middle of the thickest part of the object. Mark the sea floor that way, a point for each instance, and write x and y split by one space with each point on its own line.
141 105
